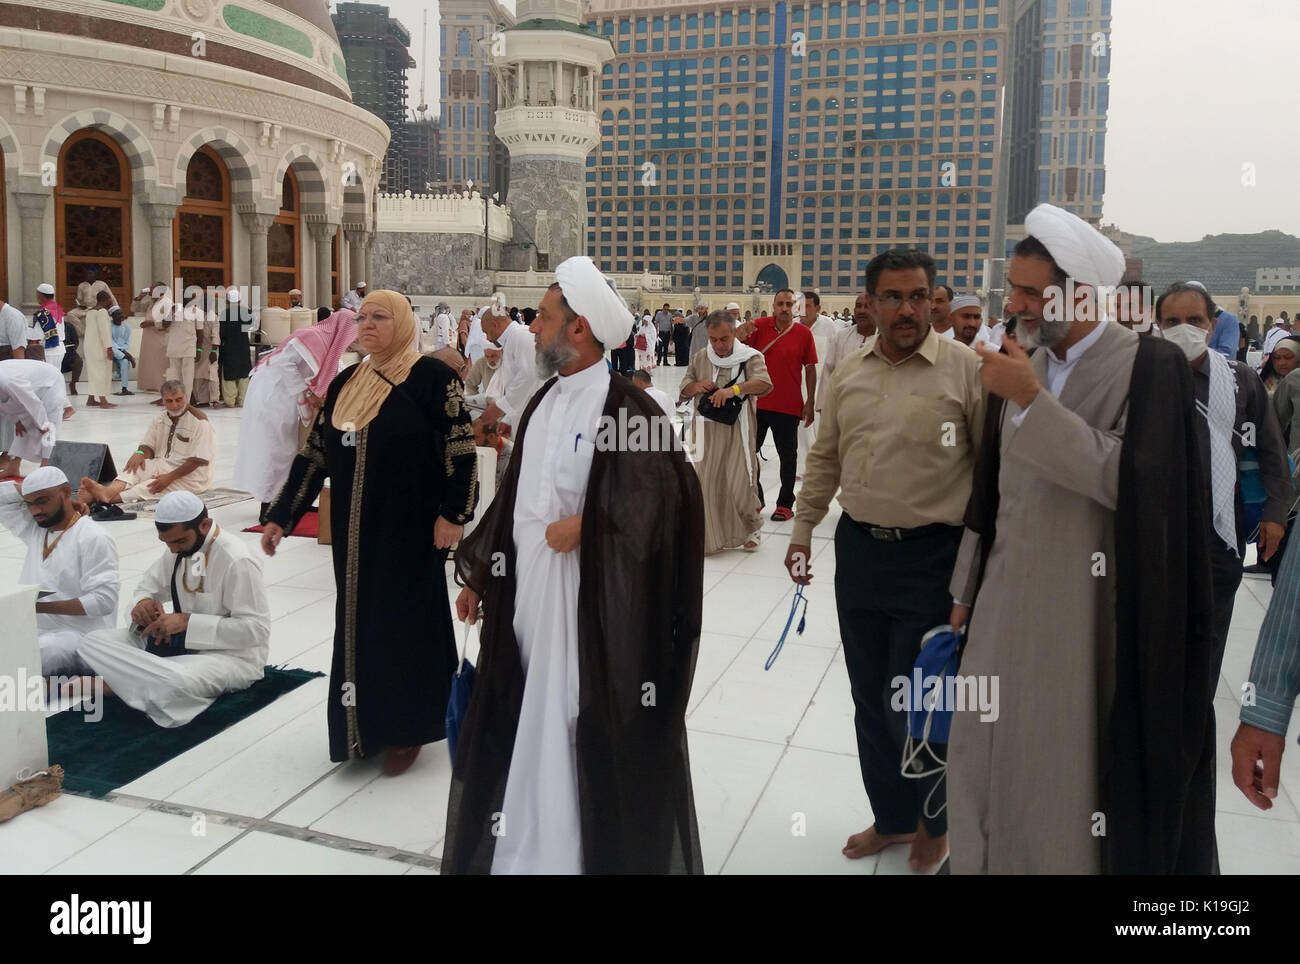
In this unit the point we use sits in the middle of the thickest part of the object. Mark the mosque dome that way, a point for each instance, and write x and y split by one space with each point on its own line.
289 40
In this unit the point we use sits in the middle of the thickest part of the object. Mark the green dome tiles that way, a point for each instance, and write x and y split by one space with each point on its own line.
261 27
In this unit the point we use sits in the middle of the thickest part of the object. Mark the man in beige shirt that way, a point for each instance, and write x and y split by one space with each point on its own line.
901 424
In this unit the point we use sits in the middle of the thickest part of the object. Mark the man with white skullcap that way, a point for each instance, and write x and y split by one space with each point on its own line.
71 559
517 379
352 300
1086 562
572 758
967 316
172 665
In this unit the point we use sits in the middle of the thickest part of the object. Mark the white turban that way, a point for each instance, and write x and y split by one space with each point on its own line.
594 297
1081 251
46 477
965 301
177 507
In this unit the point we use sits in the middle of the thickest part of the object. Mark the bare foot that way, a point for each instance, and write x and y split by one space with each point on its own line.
927 852
69 412
870 842
90 491
10 466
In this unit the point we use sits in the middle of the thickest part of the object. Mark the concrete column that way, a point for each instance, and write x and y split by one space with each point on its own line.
258 225
322 233
160 241
356 266
31 212
368 259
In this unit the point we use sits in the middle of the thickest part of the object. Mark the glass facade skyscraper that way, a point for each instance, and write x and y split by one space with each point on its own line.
842 128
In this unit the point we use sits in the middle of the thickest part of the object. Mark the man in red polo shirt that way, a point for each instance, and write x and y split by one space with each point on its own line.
791 358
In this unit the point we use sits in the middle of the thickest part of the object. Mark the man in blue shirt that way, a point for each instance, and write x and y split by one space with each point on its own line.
1227 329
121 333
1271 692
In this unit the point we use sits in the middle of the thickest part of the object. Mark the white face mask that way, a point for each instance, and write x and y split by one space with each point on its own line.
1187 337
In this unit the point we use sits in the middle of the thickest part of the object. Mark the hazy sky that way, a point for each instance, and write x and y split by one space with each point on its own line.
1199 88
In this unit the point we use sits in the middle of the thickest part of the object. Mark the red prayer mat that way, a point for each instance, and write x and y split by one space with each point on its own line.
308 526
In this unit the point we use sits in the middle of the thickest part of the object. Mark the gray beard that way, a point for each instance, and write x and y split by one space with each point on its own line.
1047 333
551 358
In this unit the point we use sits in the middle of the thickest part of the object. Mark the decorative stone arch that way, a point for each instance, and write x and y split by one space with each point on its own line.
240 161
311 170
12 151
139 152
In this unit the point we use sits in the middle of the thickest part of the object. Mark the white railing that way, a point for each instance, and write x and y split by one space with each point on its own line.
442 214
624 282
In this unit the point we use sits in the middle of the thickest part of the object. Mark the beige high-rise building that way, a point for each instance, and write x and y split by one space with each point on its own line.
786 144
468 145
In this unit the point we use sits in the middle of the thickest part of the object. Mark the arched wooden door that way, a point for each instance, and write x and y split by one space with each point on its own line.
284 247
92 215
201 228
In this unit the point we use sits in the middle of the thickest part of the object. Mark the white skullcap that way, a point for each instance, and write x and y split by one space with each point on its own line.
144 291
1197 284
360 284
732 306
1081 251
46 477
592 295
45 288
295 291
177 507
965 301
232 295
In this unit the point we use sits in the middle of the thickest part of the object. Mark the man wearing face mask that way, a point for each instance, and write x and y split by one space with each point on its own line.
1086 561
172 665
1235 414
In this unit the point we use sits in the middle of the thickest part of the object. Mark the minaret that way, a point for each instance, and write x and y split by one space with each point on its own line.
547 67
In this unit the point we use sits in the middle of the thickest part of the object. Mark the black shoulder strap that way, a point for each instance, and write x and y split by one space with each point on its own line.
176 599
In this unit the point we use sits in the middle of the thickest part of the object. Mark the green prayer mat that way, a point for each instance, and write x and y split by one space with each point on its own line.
125 744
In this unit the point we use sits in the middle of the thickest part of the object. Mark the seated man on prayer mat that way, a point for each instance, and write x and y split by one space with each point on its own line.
176 455
172 665
70 558
572 757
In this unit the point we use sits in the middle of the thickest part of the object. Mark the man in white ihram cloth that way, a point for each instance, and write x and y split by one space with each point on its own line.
572 756
215 640
70 557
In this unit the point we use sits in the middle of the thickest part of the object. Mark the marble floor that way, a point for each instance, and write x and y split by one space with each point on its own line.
770 750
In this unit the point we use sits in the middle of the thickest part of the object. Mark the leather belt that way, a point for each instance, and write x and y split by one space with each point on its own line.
898 534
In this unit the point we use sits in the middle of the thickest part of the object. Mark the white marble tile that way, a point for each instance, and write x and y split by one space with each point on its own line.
828 724
328 793
35 841
265 774
759 704
717 652
1257 844
740 603
812 804
151 843
261 853
728 775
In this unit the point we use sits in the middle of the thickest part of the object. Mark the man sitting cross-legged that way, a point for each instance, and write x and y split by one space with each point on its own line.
176 454
71 559
215 640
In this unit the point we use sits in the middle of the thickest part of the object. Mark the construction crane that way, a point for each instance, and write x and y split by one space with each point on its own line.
423 108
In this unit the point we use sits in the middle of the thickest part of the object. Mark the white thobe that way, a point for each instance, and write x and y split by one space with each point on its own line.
823 332
843 343
32 394
666 403
542 822
268 443
516 379
352 301
444 332
229 630
476 341
82 565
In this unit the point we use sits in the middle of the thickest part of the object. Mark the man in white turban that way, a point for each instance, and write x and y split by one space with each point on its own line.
70 558
1086 563
172 665
572 758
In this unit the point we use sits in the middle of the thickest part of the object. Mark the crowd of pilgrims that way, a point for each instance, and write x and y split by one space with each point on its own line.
1072 494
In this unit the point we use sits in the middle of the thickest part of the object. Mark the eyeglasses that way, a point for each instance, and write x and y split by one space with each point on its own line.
893 303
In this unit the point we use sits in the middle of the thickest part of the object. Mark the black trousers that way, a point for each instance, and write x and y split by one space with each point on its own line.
889 595
785 433
661 349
